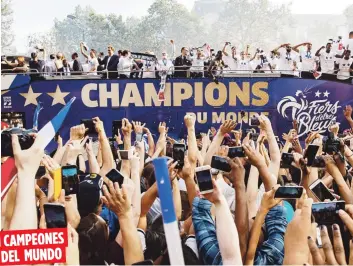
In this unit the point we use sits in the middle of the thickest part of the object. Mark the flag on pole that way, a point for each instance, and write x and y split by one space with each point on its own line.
36 115
8 169
170 222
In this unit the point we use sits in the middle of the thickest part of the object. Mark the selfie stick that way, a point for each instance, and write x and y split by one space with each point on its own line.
47 133
170 222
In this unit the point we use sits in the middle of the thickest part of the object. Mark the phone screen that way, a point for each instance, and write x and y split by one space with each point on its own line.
310 153
204 180
254 121
115 176
321 191
327 212
220 163
178 154
90 126
55 216
236 152
40 172
70 180
289 192
287 159
116 125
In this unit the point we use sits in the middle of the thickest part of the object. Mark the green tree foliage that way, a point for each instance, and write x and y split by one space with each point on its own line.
7 35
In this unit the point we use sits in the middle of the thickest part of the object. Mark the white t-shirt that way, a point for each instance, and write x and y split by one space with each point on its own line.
149 69
165 65
344 66
243 66
230 62
286 61
197 65
93 62
327 62
308 60
124 66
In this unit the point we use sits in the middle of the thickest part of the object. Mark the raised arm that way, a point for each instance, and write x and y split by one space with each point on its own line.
227 234
295 48
318 51
241 206
27 163
189 122
224 49
118 201
225 128
82 51
150 141
347 112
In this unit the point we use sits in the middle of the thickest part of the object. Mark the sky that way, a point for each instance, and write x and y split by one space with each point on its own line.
38 15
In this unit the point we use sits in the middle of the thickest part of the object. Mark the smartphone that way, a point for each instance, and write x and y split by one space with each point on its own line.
125 154
310 153
139 137
55 216
327 212
294 192
254 121
254 136
179 154
320 191
145 262
220 163
40 172
319 162
236 152
116 126
90 126
286 160
26 141
70 179
204 179
121 147
115 176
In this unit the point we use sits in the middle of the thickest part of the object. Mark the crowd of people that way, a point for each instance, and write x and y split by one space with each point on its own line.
332 61
240 220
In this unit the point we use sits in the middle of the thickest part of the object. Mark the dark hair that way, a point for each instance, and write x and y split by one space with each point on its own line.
182 48
156 242
58 56
74 55
52 56
189 255
351 33
93 240
125 52
219 55
148 173
94 51
33 55
120 52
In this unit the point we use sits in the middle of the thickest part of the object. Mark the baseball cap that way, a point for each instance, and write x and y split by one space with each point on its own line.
90 193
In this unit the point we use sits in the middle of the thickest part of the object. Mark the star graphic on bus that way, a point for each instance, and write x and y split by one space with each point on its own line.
31 96
58 96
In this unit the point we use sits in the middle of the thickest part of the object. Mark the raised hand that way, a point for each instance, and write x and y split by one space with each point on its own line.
138 127
254 157
77 132
126 127
28 161
268 200
50 164
162 128
237 173
116 199
227 126
189 121
265 123
98 124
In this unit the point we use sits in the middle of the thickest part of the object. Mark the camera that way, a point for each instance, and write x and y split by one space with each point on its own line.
331 144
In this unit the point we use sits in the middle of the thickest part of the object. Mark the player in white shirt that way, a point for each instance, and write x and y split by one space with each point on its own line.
124 65
286 58
198 64
345 67
165 64
230 60
91 60
327 59
243 64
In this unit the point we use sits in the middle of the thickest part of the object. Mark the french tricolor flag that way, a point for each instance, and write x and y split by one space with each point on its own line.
8 169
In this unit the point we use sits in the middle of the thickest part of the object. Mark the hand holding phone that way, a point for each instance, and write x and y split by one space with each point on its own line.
220 163
179 154
55 216
115 176
254 121
70 179
286 160
320 191
236 152
310 153
89 125
204 179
